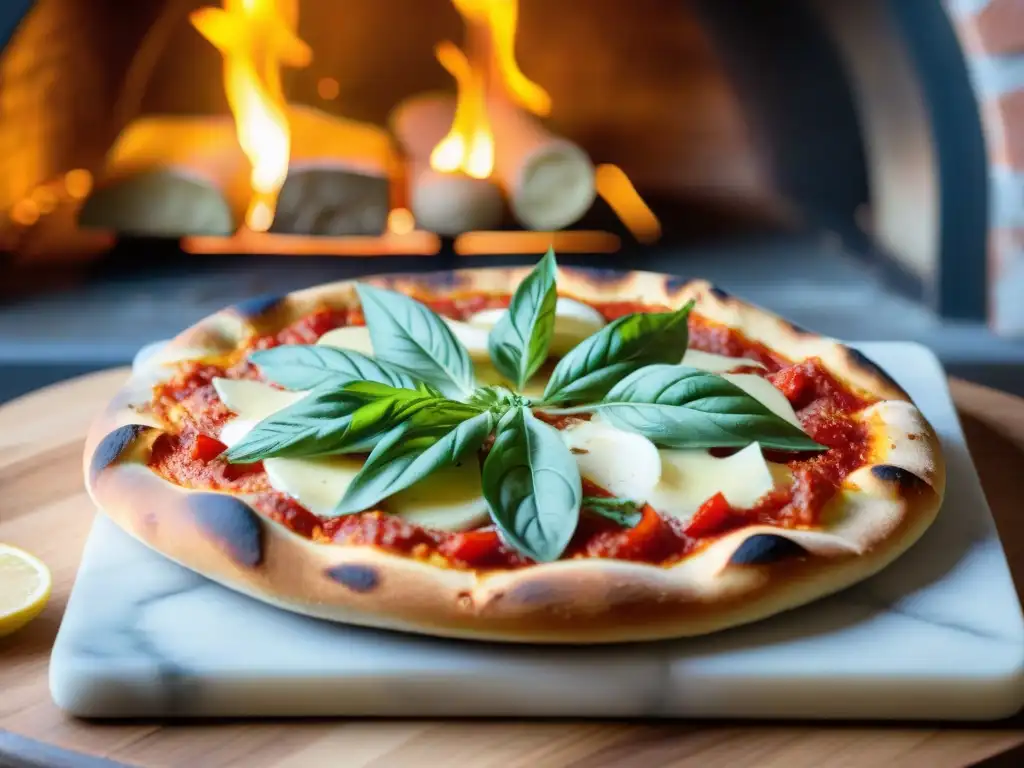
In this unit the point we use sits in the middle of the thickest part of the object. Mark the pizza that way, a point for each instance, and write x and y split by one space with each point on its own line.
540 455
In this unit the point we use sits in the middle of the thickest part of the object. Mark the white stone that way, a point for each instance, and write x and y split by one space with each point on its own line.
937 635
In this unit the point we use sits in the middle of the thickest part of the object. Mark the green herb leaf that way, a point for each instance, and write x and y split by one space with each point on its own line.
493 397
622 511
300 366
407 455
532 486
680 407
309 427
410 335
594 366
348 420
519 343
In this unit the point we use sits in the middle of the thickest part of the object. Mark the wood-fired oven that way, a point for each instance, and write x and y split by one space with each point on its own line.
827 158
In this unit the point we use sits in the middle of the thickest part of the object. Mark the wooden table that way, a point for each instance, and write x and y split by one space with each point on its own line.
43 508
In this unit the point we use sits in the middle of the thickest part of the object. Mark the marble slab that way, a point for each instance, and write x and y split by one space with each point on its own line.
937 635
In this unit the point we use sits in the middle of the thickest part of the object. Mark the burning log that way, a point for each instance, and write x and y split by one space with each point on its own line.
177 176
548 180
444 203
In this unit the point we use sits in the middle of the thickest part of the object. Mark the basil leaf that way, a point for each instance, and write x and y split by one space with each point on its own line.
387 407
300 366
680 407
594 365
348 420
519 343
622 511
405 456
532 486
308 427
408 334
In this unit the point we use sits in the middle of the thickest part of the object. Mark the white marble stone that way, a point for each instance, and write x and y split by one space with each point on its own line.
938 635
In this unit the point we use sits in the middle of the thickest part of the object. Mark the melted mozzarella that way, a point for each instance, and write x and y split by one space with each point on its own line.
623 463
574 321
765 392
472 337
254 400
675 482
354 337
689 478
712 363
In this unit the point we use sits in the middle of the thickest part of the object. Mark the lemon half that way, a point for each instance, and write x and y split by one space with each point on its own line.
25 584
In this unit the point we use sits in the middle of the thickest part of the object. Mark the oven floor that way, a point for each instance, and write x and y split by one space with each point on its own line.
124 303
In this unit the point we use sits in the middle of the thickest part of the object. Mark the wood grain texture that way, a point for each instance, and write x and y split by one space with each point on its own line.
47 512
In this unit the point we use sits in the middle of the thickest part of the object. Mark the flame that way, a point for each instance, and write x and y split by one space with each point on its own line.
500 18
618 191
469 145
256 38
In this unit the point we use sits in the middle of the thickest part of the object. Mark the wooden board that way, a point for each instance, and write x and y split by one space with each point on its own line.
43 508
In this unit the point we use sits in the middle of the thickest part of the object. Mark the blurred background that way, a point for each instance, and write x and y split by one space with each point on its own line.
853 166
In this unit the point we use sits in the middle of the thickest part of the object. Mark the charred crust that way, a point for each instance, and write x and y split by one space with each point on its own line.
675 284
111 447
232 524
718 293
257 306
859 360
904 478
799 330
358 578
765 548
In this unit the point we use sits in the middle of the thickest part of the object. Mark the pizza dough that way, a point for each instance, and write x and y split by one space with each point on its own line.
750 573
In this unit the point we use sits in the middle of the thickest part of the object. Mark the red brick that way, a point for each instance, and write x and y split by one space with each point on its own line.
1004 129
998 28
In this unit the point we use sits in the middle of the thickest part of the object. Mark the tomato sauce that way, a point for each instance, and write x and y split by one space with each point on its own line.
191 458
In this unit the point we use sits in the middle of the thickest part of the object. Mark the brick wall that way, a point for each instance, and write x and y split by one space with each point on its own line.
992 34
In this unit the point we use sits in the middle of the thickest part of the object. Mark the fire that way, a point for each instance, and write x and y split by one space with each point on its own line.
256 38
491 65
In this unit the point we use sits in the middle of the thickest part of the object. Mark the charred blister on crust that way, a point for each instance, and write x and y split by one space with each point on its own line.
719 293
765 548
113 446
232 524
358 578
904 478
860 360
257 306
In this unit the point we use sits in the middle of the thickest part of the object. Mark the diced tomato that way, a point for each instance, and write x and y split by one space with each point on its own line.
715 516
472 547
207 448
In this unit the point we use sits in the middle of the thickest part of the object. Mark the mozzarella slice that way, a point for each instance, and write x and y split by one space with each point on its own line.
623 463
574 321
689 478
764 392
712 363
254 400
354 337
675 482
450 499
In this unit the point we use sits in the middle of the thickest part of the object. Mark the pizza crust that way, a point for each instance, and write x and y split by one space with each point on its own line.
750 574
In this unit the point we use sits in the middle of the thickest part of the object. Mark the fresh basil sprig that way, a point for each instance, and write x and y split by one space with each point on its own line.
532 486
519 343
407 334
597 363
416 407
348 420
680 407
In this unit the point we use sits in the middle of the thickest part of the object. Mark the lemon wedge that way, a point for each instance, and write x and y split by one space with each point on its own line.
25 584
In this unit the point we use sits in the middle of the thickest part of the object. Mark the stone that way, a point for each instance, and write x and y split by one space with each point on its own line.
332 201
158 203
